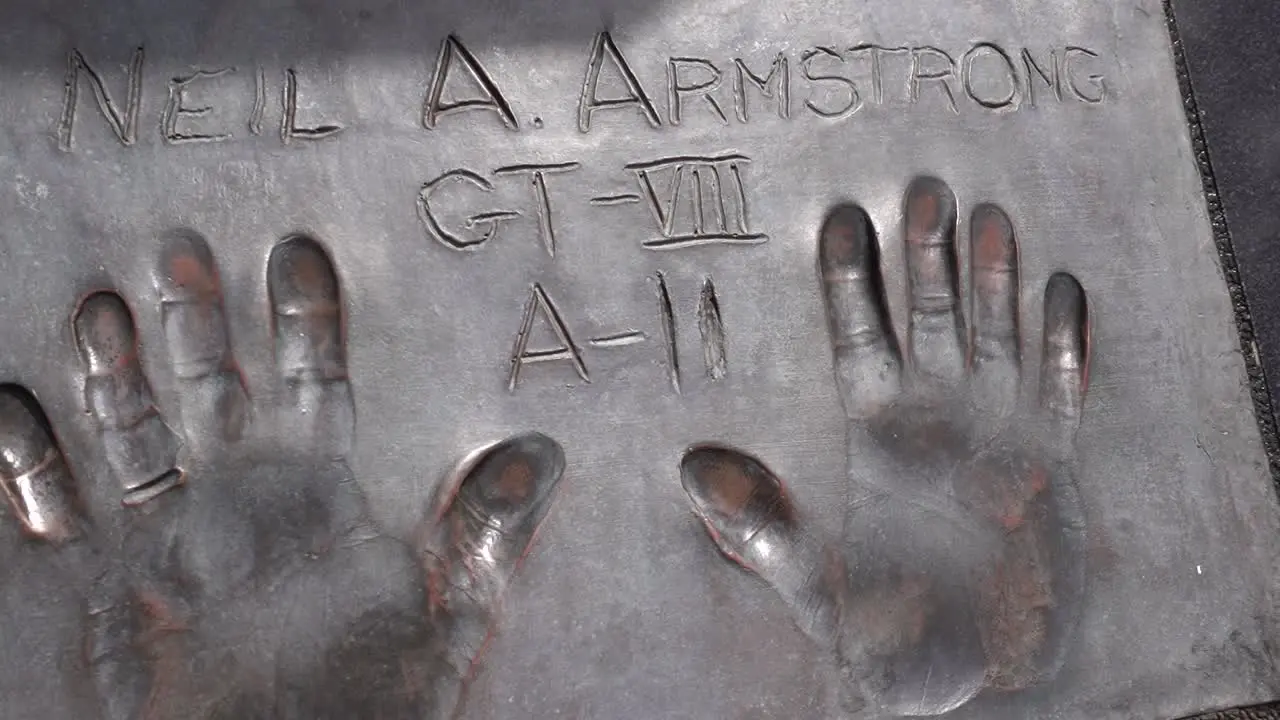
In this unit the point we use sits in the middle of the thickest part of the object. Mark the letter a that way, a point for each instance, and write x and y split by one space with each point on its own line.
521 355
590 102
435 106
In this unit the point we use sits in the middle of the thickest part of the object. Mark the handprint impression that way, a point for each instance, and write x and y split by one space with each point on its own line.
249 580
959 567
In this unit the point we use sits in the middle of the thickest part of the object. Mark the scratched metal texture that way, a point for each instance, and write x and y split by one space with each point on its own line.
625 609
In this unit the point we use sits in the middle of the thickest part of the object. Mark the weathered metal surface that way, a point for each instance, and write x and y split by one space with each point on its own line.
601 223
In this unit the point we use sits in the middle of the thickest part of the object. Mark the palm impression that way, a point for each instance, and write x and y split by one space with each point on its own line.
959 568
251 581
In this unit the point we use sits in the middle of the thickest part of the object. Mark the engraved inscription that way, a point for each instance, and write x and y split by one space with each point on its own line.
696 201
453 53
259 101
289 128
180 114
776 85
990 54
832 108
617 199
482 226
617 340
540 304
542 314
1050 76
929 64
603 49
830 82
876 55
123 123
711 328
542 201
1095 90
176 110
680 86
667 317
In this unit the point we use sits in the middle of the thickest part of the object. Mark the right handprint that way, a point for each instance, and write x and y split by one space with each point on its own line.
960 567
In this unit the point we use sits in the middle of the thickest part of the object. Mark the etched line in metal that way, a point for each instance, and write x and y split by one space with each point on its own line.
617 340
619 199
711 328
667 317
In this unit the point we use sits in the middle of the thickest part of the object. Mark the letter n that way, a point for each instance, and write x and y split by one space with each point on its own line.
124 125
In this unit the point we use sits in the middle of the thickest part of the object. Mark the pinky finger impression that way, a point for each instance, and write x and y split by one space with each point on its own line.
1064 370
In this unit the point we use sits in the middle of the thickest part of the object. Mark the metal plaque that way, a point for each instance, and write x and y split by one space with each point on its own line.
683 359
